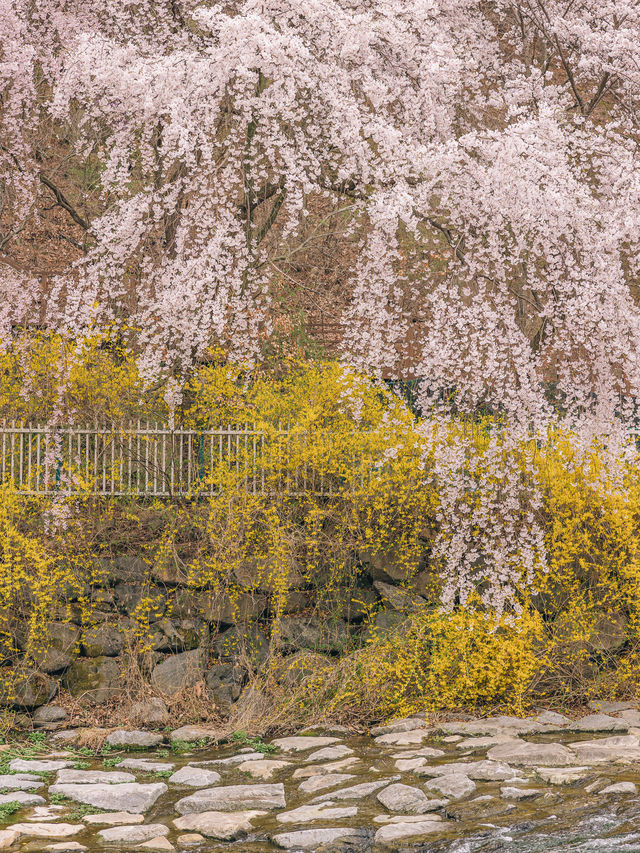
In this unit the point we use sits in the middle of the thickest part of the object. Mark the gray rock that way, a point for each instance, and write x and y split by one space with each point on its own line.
355 792
603 706
130 796
520 794
416 735
496 726
150 712
48 830
133 834
26 689
194 777
233 797
193 734
311 632
220 609
147 765
330 753
232 760
526 753
620 788
225 681
93 777
482 743
552 718
49 714
22 797
632 717
561 775
405 799
406 724
599 723
20 783
177 672
134 739
113 819
625 747
220 825
184 635
454 785
484 771
95 681
32 765
319 783
400 599
324 769
103 640
242 642
312 838
396 831
56 651
322 811
264 769
302 743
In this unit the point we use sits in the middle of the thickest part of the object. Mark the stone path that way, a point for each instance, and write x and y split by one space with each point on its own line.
406 786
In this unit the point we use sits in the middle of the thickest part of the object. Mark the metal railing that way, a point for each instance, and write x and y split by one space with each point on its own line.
156 461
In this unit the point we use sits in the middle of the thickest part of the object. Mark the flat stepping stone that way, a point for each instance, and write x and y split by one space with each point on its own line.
526 753
520 794
603 706
355 791
133 834
562 775
405 724
406 829
423 752
8 837
159 845
632 717
93 777
552 718
324 769
232 759
616 748
620 788
480 771
220 825
330 753
403 738
147 765
323 811
405 799
264 769
312 838
230 798
20 783
319 783
407 764
599 723
302 744
190 838
44 814
113 819
476 743
65 847
497 725
26 765
454 785
23 797
134 739
48 830
195 777
131 796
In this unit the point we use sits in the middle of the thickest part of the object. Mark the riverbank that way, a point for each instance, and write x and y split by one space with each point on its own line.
498 783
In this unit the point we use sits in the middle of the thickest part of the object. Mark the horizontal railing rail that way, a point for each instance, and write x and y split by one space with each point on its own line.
154 460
